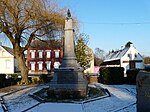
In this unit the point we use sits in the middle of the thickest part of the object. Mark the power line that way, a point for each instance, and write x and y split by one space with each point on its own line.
117 23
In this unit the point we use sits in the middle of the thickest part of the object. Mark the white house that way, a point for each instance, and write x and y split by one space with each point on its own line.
128 57
8 64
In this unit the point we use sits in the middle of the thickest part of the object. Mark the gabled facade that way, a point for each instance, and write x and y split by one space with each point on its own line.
8 63
43 57
129 58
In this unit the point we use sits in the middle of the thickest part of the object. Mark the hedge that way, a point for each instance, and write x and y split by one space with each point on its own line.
131 76
43 78
2 79
111 75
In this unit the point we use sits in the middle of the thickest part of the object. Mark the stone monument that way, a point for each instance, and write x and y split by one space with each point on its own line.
68 81
143 91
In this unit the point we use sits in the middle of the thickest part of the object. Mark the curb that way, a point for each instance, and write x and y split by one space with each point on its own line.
2 102
3 105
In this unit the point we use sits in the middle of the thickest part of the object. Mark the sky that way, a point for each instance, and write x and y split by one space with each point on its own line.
110 24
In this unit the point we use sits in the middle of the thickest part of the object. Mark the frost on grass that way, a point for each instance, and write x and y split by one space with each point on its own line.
19 101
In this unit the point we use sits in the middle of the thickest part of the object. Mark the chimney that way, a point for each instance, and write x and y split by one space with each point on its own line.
131 45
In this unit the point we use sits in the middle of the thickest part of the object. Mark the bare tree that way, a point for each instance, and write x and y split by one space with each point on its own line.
24 20
98 56
147 60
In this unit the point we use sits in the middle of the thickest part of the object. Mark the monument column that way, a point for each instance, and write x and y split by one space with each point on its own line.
69 59
69 48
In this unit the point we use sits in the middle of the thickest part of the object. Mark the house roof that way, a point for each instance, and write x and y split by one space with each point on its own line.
114 55
46 44
113 62
8 49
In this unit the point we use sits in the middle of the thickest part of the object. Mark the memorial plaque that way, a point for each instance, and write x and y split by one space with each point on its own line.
68 78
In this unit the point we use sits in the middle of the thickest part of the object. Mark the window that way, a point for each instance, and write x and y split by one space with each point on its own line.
48 53
48 65
135 55
32 66
132 65
32 53
56 64
8 64
40 53
129 55
3 53
40 65
56 53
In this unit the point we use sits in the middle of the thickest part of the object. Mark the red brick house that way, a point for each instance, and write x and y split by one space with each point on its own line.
44 56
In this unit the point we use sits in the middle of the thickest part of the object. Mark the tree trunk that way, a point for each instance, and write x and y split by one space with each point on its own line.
23 68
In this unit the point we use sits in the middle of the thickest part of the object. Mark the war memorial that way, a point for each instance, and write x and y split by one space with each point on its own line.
68 80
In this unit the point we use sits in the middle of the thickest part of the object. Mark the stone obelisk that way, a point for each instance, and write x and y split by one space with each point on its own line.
68 80
69 60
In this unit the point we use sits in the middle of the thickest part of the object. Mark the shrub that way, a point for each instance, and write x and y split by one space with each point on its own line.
131 75
95 92
2 79
44 78
36 79
23 82
51 93
39 79
111 75
14 77
147 69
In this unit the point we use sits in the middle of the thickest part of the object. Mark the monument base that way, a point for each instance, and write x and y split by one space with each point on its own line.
68 83
63 93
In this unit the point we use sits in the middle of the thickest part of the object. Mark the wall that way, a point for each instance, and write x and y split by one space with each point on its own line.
91 68
52 59
6 62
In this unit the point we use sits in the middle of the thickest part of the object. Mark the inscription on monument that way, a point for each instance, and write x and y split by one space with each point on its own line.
68 78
